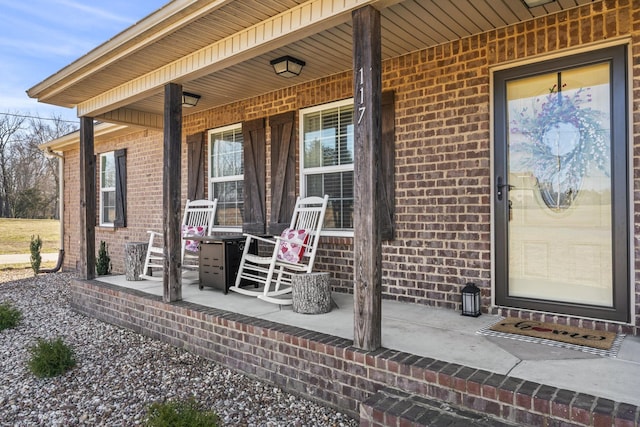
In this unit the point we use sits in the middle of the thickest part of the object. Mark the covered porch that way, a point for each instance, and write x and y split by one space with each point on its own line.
427 354
436 61
432 232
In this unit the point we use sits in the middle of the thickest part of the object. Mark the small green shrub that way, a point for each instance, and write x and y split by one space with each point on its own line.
50 358
103 262
180 414
36 259
9 316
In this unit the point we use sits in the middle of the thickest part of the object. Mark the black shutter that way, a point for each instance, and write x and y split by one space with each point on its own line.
254 215
195 168
283 171
387 165
121 188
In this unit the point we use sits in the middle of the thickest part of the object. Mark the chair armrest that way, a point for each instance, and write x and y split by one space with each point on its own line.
270 240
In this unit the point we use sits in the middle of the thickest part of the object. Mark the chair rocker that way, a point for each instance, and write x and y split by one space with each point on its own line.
292 252
197 221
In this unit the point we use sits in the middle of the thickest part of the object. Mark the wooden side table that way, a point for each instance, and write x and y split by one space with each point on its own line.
134 255
311 293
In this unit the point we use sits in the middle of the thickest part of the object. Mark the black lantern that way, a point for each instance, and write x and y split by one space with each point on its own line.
471 300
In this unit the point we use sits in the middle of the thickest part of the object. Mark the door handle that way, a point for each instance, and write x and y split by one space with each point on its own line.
500 185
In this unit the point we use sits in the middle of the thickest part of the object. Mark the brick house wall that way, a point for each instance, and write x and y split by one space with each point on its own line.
443 157
144 196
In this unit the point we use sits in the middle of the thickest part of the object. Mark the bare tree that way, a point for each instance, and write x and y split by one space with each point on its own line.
10 129
28 178
48 181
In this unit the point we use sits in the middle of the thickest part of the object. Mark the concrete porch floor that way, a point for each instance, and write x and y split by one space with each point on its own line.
444 335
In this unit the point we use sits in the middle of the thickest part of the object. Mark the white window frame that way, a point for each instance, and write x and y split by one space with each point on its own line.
322 169
211 180
107 190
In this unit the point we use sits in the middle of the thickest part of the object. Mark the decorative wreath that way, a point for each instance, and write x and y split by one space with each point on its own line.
565 138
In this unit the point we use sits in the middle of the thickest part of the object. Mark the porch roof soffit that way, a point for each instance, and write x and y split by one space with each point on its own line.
262 37
221 49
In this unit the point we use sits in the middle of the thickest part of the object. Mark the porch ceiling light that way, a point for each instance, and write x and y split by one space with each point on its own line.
287 66
190 99
534 3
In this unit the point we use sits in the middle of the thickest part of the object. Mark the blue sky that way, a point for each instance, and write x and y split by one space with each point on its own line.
40 37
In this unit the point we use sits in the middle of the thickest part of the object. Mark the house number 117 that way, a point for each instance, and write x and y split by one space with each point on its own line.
361 107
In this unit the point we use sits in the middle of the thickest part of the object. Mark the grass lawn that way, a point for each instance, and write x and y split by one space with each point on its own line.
16 238
16 235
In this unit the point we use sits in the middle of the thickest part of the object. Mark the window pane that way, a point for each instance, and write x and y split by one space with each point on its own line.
312 144
225 168
330 122
328 143
346 149
328 137
107 188
230 204
346 136
314 186
329 150
108 170
226 153
108 200
339 187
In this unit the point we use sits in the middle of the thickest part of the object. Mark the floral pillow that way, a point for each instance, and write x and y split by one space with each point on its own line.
192 230
291 245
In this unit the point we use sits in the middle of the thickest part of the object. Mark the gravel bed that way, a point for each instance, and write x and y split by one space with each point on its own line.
119 373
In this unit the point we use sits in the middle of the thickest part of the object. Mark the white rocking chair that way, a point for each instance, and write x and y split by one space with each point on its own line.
294 251
197 221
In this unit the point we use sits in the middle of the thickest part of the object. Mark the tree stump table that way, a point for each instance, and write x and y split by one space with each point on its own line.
134 255
311 293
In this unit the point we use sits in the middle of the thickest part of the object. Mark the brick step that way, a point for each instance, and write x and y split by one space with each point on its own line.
391 407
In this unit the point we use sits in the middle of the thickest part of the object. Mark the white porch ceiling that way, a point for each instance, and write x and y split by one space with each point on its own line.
186 26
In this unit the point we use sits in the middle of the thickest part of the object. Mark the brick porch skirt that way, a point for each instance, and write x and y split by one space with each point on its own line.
329 370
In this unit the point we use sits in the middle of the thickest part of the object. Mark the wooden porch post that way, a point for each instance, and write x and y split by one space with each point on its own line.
367 242
172 278
87 200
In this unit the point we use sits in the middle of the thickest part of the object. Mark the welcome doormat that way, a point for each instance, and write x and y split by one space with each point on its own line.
602 343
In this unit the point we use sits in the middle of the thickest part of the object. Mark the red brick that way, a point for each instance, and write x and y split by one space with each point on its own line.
505 396
489 392
601 420
561 411
581 416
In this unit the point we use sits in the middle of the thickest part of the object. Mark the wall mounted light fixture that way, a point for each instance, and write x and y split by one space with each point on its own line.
190 99
287 66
